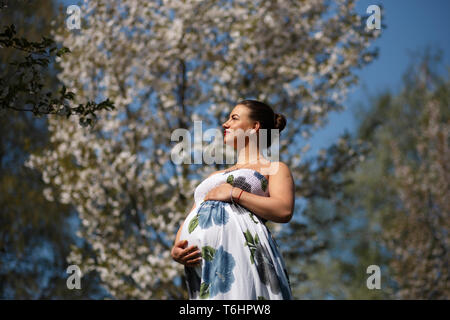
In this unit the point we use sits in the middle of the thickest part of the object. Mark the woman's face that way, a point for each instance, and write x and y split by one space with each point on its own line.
238 119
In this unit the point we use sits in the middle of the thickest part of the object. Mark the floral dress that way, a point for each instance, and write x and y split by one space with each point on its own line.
240 258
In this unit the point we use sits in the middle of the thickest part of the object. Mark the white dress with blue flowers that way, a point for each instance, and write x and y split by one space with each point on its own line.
240 258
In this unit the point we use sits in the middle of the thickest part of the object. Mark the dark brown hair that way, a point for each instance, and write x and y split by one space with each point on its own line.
264 114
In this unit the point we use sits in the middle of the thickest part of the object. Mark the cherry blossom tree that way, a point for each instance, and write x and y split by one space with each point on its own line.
165 65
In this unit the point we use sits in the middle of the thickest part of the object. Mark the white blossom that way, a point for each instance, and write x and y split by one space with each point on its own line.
134 51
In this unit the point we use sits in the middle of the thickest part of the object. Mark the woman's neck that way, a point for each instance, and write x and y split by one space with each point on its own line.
245 157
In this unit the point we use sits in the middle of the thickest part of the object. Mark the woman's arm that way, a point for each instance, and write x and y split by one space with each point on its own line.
188 256
279 207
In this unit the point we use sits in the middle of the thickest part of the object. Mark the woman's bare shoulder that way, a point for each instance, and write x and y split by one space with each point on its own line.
277 167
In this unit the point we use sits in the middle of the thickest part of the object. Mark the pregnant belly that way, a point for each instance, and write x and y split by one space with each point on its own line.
201 225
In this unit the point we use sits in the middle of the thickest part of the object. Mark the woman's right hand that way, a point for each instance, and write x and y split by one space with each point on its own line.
189 257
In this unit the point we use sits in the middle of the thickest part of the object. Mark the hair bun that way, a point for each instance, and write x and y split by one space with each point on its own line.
279 121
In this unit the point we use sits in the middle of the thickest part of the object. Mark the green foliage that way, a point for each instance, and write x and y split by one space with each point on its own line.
208 253
251 243
193 224
23 89
393 213
416 139
204 290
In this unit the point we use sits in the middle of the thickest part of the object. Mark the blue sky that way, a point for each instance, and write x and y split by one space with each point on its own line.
410 25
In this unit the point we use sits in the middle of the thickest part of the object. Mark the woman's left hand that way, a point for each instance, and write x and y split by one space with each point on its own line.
222 193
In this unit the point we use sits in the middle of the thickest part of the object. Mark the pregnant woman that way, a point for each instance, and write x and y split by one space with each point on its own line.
225 247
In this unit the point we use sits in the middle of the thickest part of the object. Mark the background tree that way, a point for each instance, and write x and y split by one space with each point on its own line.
418 232
35 234
395 212
22 80
164 67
